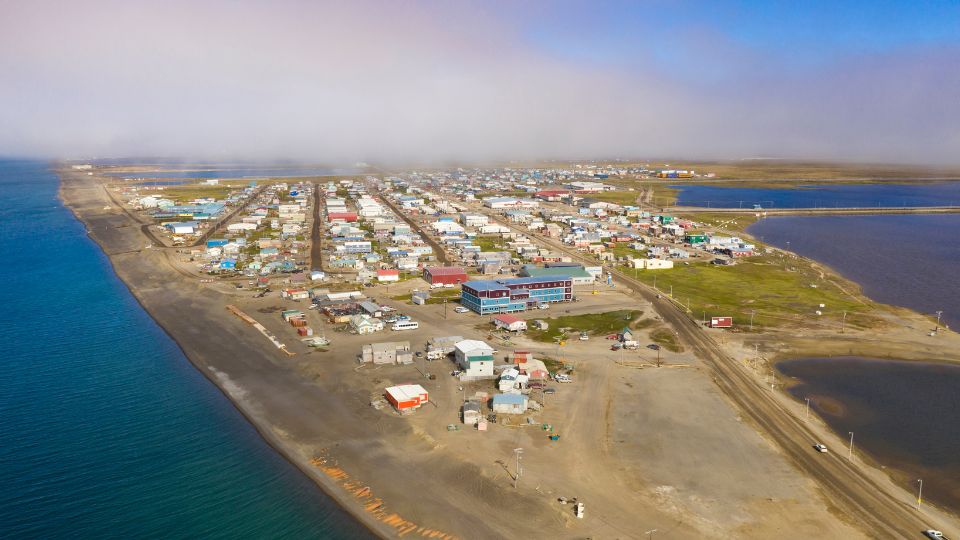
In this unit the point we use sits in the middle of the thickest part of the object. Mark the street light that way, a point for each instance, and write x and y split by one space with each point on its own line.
516 478
937 328
807 414
920 493
752 313
850 451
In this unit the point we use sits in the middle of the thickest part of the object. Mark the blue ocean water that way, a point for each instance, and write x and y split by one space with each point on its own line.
106 430
821 196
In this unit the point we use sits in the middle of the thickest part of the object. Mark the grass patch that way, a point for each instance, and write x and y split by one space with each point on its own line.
489 243
776 287
188 192
666 339
735 223
595 324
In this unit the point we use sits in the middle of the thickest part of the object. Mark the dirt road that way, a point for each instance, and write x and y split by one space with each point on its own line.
438 250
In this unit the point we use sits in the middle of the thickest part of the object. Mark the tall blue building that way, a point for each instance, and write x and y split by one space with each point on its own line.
508 295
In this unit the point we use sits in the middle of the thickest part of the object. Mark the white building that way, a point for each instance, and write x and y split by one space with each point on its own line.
474 357
365 324
652 264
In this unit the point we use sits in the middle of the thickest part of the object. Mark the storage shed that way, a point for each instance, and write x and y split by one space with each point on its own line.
407 397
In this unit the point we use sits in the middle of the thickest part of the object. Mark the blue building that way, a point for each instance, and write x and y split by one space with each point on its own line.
509 295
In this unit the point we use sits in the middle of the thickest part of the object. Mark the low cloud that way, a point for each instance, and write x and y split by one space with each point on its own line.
432 82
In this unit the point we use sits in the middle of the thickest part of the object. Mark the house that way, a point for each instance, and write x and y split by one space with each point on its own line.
508 379
295 294
365 324
510 323
388 275
441 346
406 397
472 413
509 403
445 275
389 352
534 369
510 295
474 357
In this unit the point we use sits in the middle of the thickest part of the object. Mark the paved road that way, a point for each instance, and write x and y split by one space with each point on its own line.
879 512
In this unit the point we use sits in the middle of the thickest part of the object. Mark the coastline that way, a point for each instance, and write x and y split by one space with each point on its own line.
394 479
261 426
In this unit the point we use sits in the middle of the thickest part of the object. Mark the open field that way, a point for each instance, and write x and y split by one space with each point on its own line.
595 324
489 243
781 290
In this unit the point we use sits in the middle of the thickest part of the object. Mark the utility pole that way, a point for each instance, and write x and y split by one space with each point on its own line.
444 308
807 414
850 451
843 321
752 313
654 281
920 493
650 534
516 478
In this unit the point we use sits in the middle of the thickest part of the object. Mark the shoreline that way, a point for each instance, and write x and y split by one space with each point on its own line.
327 486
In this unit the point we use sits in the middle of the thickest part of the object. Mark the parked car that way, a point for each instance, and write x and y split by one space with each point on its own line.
550 391
460 309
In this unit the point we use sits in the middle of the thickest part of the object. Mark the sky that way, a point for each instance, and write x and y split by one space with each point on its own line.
437 81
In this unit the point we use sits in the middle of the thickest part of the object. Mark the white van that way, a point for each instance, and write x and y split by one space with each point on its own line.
405 325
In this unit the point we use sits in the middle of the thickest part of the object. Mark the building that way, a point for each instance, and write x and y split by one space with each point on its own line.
472 413
388 275
518 294
510 323
295 294
534 369
444 275
577 274
509 403
652 264
390 352
407 397
474 357
365 324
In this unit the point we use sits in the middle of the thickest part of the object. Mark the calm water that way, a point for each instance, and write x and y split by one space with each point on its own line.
227 172
906 260
904 414
106 430
820 196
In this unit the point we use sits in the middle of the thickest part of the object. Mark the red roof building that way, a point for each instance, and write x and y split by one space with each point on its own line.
388 275
349 217
552 194
444 275
510 323
406 397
